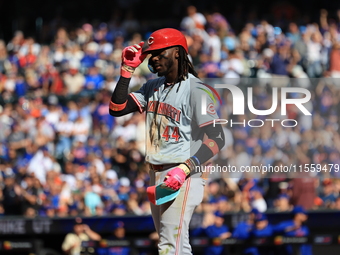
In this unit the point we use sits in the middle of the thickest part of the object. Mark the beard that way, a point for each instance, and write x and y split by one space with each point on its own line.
167 68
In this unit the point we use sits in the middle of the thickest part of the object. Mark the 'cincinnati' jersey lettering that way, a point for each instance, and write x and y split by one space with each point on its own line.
164 109
174 118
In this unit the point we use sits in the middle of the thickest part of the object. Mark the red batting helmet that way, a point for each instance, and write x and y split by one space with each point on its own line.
164 38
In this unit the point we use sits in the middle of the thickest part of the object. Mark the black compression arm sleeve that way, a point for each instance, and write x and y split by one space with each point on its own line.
120 94
215 133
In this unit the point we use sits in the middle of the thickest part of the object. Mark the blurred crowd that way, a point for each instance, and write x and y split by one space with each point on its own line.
62 154
255 226
251 229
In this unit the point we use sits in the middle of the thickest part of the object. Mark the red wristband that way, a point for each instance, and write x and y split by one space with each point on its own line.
126 71
117 107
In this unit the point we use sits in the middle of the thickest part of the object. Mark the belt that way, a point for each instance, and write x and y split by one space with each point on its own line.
159 168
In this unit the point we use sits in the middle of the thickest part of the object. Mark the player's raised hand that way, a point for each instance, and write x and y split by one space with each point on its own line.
132 57
176 177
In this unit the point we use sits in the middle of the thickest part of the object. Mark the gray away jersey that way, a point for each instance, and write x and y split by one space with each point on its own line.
173 118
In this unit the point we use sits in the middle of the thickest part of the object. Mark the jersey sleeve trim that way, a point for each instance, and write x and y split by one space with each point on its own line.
117 107
140 108
206 123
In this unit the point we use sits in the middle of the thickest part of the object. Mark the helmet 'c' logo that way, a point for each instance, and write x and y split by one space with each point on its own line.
150 40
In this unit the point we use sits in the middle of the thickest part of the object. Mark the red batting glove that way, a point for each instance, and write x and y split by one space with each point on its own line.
176 177
132 57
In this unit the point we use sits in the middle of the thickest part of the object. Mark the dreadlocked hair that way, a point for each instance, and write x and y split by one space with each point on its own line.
184 65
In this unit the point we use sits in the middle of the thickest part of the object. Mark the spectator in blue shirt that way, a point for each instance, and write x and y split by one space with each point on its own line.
100 115
216 230
118 234
94 80
244 228
91 55
261 229
280 61
295 228
294 33
20 86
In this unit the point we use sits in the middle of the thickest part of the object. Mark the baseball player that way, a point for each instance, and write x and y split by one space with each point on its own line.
295 227
175 129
